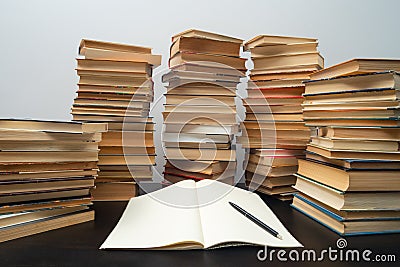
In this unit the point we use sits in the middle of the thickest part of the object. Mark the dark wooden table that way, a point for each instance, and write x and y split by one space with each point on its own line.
78 245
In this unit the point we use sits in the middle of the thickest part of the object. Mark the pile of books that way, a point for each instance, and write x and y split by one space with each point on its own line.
115 86
200 111
349 180
46 171
273 131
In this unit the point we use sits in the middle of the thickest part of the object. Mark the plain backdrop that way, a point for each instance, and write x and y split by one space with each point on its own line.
40 38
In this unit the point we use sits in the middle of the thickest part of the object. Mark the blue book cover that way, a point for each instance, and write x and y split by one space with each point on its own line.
339 218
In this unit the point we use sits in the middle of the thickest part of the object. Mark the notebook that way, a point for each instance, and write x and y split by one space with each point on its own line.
195 215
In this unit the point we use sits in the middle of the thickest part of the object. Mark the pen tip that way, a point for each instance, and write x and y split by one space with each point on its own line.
280 237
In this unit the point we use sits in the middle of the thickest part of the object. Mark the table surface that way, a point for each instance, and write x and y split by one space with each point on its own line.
78 245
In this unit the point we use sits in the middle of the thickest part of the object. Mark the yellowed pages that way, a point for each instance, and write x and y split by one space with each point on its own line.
159 220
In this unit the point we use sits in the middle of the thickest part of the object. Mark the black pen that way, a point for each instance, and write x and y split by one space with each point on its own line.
256 221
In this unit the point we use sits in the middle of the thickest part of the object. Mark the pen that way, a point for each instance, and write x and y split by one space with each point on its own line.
256 221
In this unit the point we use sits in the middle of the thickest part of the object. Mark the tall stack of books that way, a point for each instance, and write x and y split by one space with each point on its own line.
115 86
273 131
46 171
200 111
349 180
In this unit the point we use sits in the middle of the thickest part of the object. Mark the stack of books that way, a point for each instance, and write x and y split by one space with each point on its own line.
349 180
200 111
273 131
46 171
115 86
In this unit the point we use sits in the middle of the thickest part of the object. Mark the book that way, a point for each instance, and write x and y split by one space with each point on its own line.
272 171
274 109
206 35
269 40
325 216
386 79
48 156
202 90
197 138
279 134
17 167
352 159
350 215
114 191
273 160
274 117
121 159
283 193
357 66
87 43
172 179
364 133
117 92
205 118
280 182
355 144
200 115
201 154
388 113
207 68
282 125
351 105
43 195
215 60
354 122
201 100
281 83
194 128
284 49
309 68
203 167
203 76
112 73
52 126
340 200
274 128
90 102
112 80
114 66
374 94
37 185
289 92
214 107
205 45
67 217
45 205
53 145
195 227
173 171
115 86
350 180
366 164
128 139
120 150
271 75
45 174
354 154
94 53
265 152
285 61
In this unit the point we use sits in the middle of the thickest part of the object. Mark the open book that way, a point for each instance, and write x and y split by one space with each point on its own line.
195 215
